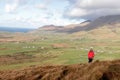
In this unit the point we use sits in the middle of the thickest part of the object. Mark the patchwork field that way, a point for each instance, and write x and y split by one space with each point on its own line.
49 48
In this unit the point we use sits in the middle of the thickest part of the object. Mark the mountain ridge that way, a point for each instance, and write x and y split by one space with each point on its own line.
97 23
86 25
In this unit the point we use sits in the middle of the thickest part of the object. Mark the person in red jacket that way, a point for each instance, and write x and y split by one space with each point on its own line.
90 55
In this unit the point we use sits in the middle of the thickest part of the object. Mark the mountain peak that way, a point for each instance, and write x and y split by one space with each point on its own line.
50 27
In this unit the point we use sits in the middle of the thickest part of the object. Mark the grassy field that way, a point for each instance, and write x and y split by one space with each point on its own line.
41 51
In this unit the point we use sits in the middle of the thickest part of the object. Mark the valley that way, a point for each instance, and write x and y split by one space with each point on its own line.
61 48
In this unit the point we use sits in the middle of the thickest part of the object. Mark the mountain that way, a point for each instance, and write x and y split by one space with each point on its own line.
98 70
105 27
62 28
103 21
70 27
50 27
111 21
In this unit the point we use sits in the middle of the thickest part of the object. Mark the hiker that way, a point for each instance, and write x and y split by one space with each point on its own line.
90 55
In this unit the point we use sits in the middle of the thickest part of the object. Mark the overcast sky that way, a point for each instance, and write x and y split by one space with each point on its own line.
36 13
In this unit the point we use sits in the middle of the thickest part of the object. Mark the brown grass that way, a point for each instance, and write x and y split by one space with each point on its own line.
60 45
13 59
105 70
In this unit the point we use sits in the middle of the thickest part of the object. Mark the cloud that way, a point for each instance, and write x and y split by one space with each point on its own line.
12 5
38 12
41 6
22 2
72 1
47 18
91 9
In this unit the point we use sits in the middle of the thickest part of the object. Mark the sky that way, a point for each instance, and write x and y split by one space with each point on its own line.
37 13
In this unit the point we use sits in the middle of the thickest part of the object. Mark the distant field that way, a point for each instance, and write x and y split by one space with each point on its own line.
55 49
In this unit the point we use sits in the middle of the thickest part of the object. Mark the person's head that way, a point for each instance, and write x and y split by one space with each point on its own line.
91 49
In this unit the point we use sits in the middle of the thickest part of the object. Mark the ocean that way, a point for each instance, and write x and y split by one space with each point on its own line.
12 29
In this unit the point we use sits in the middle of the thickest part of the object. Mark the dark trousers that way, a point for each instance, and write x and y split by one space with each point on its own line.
90 60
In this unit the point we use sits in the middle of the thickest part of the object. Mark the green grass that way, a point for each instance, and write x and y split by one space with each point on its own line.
107 56
71 55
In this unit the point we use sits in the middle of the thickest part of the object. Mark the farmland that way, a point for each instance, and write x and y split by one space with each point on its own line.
50 48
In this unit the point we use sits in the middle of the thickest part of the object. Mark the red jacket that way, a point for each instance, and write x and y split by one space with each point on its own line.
91 54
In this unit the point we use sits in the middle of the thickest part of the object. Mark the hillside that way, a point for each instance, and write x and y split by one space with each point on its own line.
104 21
105 27
68 28
16 37
50 27
111 21
98 70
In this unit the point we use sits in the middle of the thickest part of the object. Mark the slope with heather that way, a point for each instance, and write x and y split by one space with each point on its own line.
98 70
